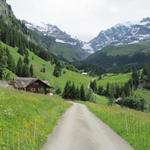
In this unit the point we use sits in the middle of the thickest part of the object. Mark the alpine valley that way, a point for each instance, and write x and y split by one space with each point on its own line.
121 41
42 68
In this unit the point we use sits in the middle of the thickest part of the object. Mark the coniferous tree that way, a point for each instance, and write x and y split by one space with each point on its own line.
57 70
82 93
100 90
26 59
19 67
26 71
127 90
20 51
112 92
107 90
1 73
3 63
142 104
72 91
135 77
77 93
31 71
146 69
117 91
66 91
93 86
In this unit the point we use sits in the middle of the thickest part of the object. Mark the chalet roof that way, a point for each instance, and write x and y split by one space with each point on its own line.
24 82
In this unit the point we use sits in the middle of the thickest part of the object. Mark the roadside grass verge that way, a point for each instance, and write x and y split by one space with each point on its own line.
132 125
27 119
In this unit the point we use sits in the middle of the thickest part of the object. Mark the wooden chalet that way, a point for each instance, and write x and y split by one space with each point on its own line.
32 85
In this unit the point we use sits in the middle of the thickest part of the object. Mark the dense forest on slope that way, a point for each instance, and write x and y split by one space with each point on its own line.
117 58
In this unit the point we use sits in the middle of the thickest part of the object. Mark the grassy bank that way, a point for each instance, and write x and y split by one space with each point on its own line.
27 119
132 125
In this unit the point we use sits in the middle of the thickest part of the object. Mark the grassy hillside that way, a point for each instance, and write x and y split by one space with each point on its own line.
114 79
132 125
27 119
60 82
131 49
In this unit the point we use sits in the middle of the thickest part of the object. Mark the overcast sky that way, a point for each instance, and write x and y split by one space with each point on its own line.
83 19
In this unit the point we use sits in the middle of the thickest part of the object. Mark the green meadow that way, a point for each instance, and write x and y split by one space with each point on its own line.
27 119
132 125
114 79
100 99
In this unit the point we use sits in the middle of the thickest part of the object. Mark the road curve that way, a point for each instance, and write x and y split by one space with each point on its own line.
79 129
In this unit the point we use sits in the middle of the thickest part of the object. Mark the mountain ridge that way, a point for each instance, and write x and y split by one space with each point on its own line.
53 31
120 34
63 44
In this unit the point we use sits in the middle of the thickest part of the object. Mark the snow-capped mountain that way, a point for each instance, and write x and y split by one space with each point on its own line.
64 45
54 31
120 34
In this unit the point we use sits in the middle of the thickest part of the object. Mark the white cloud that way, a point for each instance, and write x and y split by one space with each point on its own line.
81 18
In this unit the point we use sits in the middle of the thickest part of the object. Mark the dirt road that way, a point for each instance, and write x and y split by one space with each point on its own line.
79 129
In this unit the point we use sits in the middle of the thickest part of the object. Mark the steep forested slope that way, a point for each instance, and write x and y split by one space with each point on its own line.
118 58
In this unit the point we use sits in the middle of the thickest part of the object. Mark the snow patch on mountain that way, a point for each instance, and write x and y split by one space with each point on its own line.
61 41
88 47
53 31
125 33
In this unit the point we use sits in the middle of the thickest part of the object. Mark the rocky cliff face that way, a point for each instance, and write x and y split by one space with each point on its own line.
5 9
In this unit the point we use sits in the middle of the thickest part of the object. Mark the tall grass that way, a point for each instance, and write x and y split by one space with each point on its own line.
133 126
27 119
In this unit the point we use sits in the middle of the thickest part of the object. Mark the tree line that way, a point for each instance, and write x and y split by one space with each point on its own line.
101 63
73 92
124 92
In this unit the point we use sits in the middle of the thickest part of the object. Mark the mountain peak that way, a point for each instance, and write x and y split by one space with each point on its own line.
120 34
54 31
147 19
